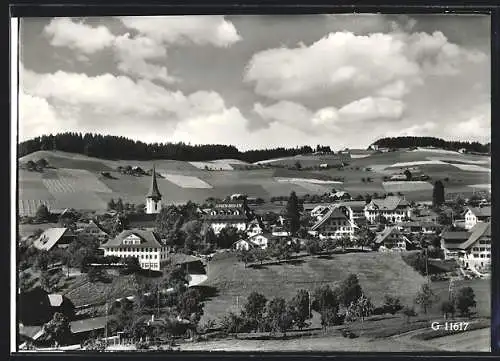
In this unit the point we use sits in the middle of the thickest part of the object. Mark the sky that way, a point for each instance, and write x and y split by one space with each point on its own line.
257 81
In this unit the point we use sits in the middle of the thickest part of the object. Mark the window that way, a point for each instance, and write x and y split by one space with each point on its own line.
481 256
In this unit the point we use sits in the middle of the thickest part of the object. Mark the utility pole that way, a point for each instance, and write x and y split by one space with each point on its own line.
427 265
158 299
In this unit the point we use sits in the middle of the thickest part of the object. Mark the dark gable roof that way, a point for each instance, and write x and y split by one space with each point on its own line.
148 239
356 206
390 203
455 235
481 212
335 212
381 237
481 229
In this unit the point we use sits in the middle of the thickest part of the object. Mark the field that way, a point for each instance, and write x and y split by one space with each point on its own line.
373 270
76 181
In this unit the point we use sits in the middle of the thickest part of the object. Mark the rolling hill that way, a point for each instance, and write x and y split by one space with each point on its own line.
76 181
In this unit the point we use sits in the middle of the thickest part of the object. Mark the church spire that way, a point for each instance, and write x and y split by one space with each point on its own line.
154 193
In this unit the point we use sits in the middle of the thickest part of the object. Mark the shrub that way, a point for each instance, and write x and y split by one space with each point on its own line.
392 304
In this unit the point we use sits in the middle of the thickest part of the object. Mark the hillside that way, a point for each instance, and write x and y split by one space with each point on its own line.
379 274
75 180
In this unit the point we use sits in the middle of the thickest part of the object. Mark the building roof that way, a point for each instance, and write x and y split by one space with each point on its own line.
423 224
382 236
226 217
89 324
356 206
335 212
267 235
148 239
55 300
455 235
478 231
481 211
154 193
49 238
390 203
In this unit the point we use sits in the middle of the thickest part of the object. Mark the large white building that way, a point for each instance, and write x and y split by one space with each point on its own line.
471 248
475 215
153 198
394 209
336 223
234 214
146 246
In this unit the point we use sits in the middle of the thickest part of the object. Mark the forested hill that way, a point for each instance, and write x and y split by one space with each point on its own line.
113 147
409 142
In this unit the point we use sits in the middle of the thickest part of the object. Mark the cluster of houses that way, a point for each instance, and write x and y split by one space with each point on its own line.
392 218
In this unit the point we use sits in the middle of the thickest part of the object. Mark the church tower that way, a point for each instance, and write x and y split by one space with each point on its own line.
153 198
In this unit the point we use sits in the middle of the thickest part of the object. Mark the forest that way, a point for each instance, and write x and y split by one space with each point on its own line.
410 142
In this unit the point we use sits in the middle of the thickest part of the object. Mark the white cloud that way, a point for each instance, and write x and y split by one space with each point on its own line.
478 127
342 62
114 102
199 30
141 56
424 129
78 35
372 108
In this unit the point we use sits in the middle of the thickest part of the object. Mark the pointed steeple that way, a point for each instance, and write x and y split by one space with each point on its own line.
154 193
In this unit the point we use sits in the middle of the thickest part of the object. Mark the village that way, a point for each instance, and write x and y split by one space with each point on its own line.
132 277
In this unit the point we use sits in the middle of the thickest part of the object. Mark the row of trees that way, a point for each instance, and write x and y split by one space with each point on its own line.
410 142
113 147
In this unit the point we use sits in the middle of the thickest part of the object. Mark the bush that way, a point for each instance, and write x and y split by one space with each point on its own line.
392 305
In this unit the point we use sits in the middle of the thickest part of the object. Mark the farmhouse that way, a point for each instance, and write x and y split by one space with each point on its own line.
52 237
340 195
92 229
258 241
393 208
37 306
470 249
475 215
146 246
224 215
153 198
254 227
338 222
358 210
391 239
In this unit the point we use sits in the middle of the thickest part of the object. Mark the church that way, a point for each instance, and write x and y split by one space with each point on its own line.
153 198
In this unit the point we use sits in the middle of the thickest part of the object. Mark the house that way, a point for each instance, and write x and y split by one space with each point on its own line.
234 214
51 237
254 227
391 239
340 195
471 248
37 306
393 208
84 329
358 210
261 240
338 222
92 229
144 245
153 198
319 211
475 215
398 177
462 150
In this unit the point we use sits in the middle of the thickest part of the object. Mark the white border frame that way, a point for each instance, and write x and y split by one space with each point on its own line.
14 65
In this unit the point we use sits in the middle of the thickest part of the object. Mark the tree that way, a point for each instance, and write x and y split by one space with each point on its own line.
42 163
364 236
111 204
245 256
438 194
465 300
408 175
298 165
300 305
448 308
42 213
57 330
312 246
392 304
293 209
350 290
259 254
361 308
31 165
253 310
425 297
409 312
278 316
95 274
190 306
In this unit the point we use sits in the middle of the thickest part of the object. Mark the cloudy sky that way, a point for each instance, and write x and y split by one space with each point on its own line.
257 81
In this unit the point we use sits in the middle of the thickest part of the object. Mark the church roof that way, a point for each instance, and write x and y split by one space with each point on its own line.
153 189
